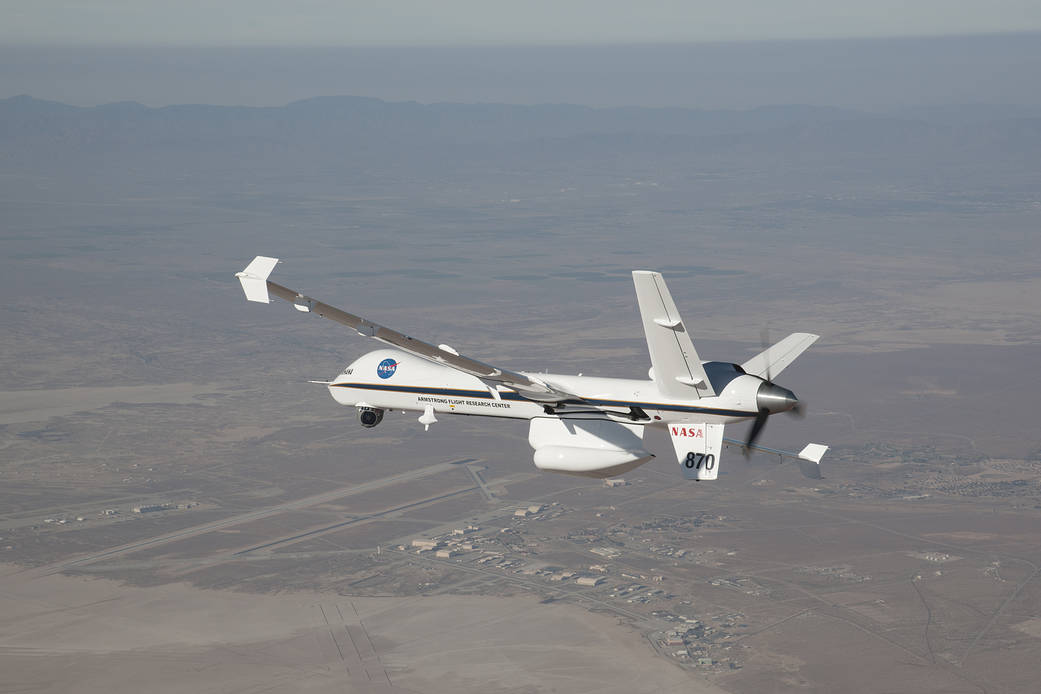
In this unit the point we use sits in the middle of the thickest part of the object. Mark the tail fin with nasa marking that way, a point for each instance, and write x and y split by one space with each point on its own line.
698 447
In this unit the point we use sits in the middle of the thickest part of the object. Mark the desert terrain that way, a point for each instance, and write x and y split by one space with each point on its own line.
181 510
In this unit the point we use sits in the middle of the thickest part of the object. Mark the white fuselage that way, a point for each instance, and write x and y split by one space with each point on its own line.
389 379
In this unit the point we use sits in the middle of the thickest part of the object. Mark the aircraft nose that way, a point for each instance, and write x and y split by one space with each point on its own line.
773 398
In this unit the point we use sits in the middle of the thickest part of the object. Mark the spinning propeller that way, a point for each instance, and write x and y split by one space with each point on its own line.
770 399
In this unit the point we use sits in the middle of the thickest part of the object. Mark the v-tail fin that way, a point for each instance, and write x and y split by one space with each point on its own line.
677 367
773 360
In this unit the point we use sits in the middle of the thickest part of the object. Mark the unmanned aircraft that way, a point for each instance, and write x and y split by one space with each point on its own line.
580 425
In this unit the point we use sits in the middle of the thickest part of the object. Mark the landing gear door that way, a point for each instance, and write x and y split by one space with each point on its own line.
697 449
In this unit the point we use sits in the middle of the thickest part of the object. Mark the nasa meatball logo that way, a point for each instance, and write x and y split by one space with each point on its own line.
386 368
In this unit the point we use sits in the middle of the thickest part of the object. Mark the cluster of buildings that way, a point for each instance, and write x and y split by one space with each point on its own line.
638 593
62 521
507 547
557 574
695 642
843 573
152 508
934 557
459 541
113 512
743 584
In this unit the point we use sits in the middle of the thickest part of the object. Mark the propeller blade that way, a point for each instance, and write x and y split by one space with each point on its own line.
757 429
799 411
764 340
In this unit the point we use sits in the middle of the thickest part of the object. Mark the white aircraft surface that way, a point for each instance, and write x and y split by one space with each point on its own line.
580 425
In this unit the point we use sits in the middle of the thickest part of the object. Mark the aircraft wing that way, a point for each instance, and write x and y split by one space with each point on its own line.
808 458
257 287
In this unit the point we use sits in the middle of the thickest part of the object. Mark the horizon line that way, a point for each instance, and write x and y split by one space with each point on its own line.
15 43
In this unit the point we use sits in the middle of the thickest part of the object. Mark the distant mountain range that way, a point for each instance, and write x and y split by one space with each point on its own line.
327 129
441 121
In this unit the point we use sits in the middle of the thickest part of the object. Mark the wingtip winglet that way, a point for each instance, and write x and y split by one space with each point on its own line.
813 452
810 460
254 278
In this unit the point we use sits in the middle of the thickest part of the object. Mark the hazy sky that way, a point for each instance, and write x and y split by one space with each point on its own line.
349 22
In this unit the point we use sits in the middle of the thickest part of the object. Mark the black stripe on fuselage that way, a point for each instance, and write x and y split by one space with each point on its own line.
483 394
